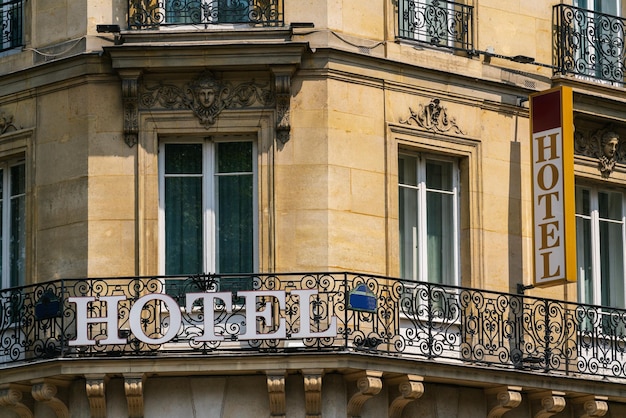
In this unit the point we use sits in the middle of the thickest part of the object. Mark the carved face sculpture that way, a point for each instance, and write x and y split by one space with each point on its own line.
610 146
205 95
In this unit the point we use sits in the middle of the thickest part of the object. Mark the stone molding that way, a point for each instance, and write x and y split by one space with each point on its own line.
133 388
276 391
411 387
46 393
96 394
503 399
313 392
11 397
547 404
368 384
433 117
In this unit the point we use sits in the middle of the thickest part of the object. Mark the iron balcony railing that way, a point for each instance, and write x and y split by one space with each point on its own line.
151 14
437 22
313 312
588 44
11 18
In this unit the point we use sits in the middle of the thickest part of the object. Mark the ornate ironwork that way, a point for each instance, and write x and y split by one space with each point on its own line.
11 18
411 320
438 22
146 14
433 117
588 43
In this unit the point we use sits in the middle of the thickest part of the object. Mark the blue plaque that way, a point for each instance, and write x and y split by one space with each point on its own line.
362 299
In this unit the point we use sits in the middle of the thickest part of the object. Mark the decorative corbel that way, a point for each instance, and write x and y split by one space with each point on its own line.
95 386
130 105
590 406
547 404
282 83
502 399
411 388
133 388
313 392
45 393
11 397
368 384
276 391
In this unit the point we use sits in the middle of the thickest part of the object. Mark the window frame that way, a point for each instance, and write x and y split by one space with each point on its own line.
6 279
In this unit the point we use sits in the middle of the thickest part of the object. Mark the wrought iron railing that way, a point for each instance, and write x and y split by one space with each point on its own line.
150 14
437 22
588 44
309 312
11 18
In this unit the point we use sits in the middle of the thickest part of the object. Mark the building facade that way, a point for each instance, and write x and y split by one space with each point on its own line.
244 208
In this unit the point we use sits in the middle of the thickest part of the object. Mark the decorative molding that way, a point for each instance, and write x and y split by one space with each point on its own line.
604 144
206 96
503 399
133 388
313 392
276 391
95 387
11 397
6 122
433 117
368 385
130 104
282 89
548 404
411 388
591 406
46 393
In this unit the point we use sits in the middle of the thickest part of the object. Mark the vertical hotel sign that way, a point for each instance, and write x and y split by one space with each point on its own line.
552 148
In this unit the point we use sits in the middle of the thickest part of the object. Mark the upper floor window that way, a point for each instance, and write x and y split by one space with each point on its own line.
437 22
13 223
11 18
208 206
429 218
600 236
153 13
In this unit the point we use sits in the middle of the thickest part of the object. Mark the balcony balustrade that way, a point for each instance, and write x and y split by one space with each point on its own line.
11 17
437 22
588 44
151 14
314 312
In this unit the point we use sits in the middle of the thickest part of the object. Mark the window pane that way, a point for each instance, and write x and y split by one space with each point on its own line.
439 175
235 224
17 250
183 225
234 157
407 170
583 260
582 201
611 264
610 205
440 238
183 159
409 260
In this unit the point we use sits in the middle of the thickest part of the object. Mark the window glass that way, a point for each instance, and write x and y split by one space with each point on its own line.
12 224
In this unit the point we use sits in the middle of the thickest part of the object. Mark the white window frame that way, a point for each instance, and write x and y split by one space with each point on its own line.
209 205
420 254
7 215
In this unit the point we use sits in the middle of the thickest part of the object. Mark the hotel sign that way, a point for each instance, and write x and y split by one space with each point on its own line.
552 164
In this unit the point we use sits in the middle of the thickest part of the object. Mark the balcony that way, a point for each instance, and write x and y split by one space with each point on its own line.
588 44
11 18
152 14
440 23
157 317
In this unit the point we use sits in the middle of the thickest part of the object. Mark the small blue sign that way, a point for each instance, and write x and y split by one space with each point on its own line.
362 299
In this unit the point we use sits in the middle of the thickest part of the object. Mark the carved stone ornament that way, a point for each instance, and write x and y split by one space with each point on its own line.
130 101
6 122
206 96
46 393
276 391
433 117
605 145
411 388
11 398
133 388
313 392
368 385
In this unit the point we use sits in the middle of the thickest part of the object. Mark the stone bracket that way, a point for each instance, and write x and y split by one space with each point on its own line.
369 384
590 406
130 105
547 404
502 399
282 87
133 388
11 397
45 392
411 387
95 387
313 392
276 391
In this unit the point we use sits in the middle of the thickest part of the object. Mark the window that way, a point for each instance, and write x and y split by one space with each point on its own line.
600 236
10 24
208 207
207 11
429 218
13 223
